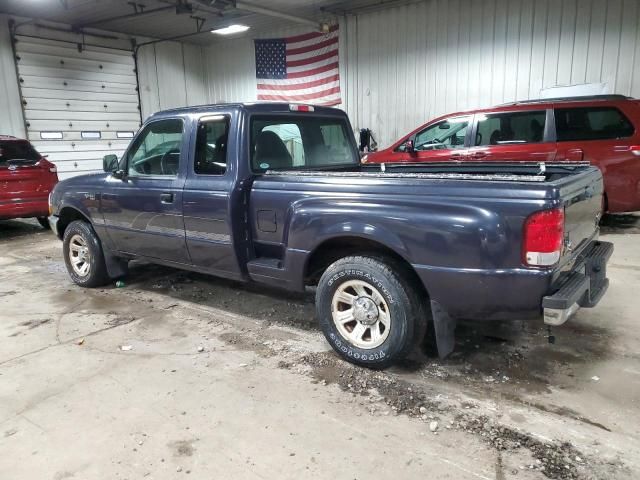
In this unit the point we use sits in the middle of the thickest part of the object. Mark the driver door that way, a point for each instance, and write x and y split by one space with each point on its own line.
143 210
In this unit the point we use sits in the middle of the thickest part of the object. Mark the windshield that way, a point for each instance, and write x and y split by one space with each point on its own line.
16 151
298 143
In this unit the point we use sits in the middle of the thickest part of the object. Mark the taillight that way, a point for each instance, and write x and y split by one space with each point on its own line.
542 238
53 169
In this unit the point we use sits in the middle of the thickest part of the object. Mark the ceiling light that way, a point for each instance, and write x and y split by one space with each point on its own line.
231 29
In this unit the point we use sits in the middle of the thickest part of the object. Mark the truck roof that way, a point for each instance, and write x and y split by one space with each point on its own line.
254 107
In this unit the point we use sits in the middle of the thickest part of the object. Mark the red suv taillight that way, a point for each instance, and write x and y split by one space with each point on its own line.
542 238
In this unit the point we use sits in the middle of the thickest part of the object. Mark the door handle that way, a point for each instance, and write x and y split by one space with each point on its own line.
166 197
479 155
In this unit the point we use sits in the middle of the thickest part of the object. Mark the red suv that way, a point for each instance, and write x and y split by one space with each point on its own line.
26 178
604 129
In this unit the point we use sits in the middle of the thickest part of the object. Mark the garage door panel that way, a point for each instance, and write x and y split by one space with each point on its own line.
57 157
59 105
80 64
49 83
89 125
74 115
84 102
28 93
22 40
86 146
77 74
76 136
72 52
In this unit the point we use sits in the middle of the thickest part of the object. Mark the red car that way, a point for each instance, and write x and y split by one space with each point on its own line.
26 178
604 129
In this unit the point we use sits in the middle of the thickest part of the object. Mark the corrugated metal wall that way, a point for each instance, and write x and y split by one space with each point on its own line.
404 65
11 120
409 64
171 75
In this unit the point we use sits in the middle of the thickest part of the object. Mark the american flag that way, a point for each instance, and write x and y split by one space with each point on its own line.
303 68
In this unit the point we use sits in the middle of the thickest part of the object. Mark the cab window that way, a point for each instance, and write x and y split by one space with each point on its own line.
510 128
156 151
284 142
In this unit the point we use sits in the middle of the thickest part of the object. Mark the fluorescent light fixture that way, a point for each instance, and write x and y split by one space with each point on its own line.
231 29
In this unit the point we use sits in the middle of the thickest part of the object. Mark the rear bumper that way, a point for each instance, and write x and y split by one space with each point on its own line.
583 287
24 208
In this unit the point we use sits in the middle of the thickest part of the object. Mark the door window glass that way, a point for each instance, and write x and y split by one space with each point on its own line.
444 135
510 128
156 151
591 123
279 143
211 146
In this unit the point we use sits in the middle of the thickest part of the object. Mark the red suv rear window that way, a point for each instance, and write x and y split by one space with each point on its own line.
591 123
17 151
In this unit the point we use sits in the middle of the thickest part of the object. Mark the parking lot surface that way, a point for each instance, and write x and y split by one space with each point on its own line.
179 374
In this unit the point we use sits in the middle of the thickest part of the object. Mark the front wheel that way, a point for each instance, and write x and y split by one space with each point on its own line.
367 311
83 255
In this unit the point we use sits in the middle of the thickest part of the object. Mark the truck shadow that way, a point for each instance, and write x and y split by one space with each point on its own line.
11 229
620 223
492 356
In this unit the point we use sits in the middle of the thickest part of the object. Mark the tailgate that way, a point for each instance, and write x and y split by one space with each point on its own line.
24 182
582 200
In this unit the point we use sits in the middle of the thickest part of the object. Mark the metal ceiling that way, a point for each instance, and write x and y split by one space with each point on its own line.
181 18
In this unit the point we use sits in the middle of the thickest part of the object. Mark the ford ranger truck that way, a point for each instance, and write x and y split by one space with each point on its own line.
275 194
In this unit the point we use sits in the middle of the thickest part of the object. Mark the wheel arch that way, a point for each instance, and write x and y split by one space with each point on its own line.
334 248
67 215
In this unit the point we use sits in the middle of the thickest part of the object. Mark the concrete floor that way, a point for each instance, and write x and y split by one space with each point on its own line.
268 399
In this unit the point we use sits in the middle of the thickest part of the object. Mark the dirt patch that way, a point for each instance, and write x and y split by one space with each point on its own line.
556 460
247 343
120 320
182 448
31 324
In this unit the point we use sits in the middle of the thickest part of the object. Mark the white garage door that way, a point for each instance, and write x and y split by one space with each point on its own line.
80 103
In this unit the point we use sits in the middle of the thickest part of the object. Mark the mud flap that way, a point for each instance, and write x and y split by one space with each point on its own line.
116 267
444 327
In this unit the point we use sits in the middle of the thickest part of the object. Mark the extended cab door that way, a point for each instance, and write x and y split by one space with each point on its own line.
143 210
443 141
208 203
518 136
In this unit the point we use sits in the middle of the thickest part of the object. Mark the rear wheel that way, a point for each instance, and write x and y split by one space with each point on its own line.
368 311
44 222
83 255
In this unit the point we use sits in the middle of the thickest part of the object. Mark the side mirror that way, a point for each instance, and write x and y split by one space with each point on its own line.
409 146
109 163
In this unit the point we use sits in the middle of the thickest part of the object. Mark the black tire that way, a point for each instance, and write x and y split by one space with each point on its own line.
405 309
44 222
96 274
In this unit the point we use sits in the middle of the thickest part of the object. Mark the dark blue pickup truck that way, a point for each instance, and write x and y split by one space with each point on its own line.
275 194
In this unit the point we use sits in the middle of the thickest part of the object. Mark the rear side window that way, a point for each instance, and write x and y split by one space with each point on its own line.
591 123
211 146
17 150
510 128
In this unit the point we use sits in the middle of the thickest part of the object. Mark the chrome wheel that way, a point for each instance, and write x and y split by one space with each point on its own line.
79 255
361 314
